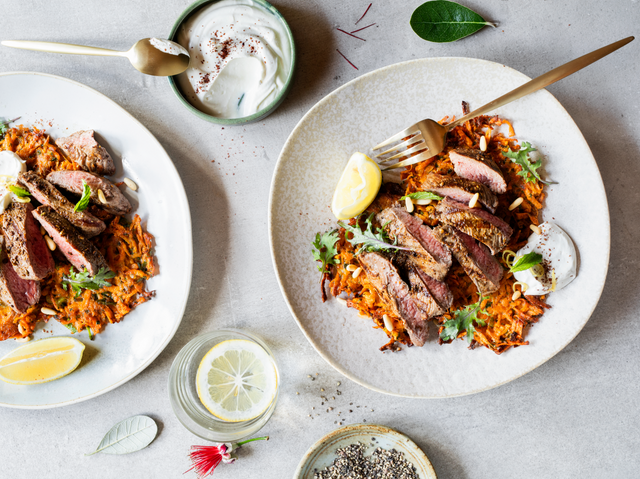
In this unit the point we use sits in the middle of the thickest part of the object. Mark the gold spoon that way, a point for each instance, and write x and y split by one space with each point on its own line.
152 56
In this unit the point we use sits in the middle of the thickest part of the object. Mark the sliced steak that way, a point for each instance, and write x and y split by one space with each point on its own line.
423 297
25 245
80 252
476 259
483 226
477 166
409 231
460 189
15 292
84 150
395 292
117 203
438 290
48 195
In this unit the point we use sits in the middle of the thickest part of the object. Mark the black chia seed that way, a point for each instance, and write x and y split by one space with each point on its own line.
351 463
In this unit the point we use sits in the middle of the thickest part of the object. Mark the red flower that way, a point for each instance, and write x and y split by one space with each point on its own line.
205 459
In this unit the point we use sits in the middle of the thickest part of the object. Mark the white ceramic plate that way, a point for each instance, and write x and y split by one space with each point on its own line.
121 351
323 453
364 112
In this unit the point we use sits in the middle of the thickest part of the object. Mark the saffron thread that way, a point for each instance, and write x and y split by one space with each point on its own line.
365 12
346 59
359 29
341 30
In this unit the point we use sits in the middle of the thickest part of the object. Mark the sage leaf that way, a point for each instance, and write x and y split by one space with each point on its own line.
441 21
128 436
527 261
422 195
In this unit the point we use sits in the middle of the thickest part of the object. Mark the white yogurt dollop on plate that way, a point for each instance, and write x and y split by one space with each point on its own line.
240 58
11 165
559 259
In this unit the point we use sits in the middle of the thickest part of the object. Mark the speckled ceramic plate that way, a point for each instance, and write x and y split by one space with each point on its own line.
121 351
364 112
323 453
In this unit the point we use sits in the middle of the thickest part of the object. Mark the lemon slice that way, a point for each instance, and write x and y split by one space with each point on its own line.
41 361
236 380
357 188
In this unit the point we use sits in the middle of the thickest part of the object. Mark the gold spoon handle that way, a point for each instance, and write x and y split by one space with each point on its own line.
54 47
543 80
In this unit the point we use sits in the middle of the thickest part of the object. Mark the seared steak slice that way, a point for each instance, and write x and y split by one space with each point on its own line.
409 231
80 252
25 245
84 150
117 203
423 297
477 166
460 189
483 226
48 195
15 292
476 259
395 292
437 289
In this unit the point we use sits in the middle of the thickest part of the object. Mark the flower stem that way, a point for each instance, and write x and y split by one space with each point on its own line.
266 438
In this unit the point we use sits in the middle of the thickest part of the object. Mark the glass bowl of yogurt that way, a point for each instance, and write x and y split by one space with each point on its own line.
242 60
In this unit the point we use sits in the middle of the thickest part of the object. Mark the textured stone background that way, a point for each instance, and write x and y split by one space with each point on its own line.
575 416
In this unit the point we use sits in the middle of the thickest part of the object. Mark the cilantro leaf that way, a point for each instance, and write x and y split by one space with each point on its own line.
325 249
527 261
369 238
529 169
463 320
83 280
82 204
422 195
4 126
16 190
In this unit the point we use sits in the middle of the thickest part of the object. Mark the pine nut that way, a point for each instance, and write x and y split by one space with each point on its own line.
101 197
356 273
483 143
342 301
351 267
23 340
42 231
516 295
408 202
48 311
474 200
22 199
535 229
423 202
50 243
516 203
21 330
131 184
387 322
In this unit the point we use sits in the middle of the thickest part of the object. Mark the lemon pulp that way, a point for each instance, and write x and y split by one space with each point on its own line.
41 361
357 188
236 380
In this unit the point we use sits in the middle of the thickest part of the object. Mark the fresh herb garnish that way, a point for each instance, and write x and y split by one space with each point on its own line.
16 190
442 21
369 239
527 261
463 321
325 249
4 126
71 328
82 204
422 195
529 168
90 333
83 280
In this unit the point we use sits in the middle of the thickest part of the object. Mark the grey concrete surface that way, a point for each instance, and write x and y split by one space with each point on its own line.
576 416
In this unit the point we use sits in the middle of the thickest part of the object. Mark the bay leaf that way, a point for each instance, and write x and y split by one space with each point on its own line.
128 436
441 21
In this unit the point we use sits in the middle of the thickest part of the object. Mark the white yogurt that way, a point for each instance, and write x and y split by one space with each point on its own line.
166 46
558 258
11 165
240 58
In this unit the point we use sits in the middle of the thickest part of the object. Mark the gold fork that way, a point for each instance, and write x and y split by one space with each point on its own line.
427 138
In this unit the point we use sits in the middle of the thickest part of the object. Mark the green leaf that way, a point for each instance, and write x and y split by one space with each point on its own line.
16 190
83 280
325 249
529 169
4 126
128 436
442 21
527 261
90 333
422 195
369 239
71 328
463 320
86 196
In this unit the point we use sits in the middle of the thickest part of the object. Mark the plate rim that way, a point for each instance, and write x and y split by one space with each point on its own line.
278 171
183 198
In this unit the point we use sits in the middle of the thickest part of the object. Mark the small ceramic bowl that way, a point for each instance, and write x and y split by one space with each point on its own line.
197 5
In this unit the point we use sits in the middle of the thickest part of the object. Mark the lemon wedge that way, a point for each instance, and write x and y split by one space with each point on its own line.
357 188
41 361
237 380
